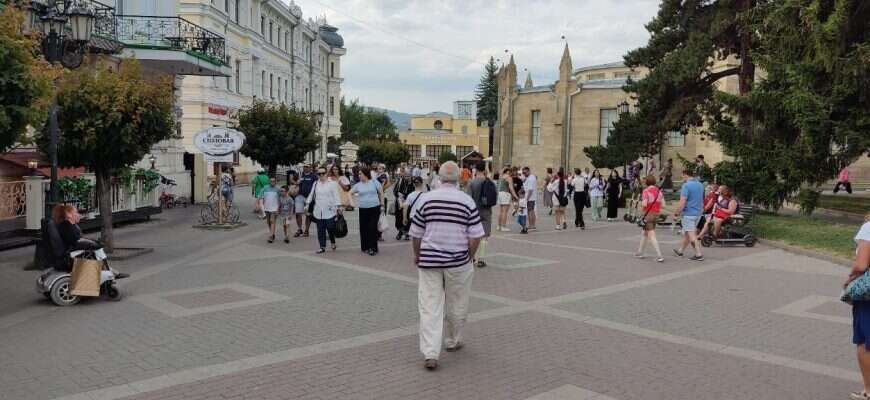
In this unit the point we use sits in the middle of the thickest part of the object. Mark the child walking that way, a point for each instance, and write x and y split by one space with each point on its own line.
286 211
523 211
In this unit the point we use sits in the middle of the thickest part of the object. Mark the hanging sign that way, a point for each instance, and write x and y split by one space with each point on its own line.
218 143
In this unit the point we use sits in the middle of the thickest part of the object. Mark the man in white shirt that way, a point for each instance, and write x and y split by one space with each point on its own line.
530 185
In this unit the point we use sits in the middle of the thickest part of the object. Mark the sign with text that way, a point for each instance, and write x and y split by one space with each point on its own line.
218 143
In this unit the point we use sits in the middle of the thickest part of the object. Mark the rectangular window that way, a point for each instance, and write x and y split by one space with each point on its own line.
229 78
331 105
676 139
263 25
236 11
595 77
285 89
238 76
271 84
435 150
536 127
263 84
270 33
279 88
461 151
414 149
332 70
227 6
608 117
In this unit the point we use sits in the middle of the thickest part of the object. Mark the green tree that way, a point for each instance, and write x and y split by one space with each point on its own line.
360 123
447 156
486 96
109 121
389 153
276 134
685 38
25 80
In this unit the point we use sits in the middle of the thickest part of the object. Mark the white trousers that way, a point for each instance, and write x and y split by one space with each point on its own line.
438 320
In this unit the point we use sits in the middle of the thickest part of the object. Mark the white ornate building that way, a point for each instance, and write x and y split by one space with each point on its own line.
272 53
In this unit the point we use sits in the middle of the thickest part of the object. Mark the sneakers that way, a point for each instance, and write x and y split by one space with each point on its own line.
660 259
271 239
286 240
862 395
558 227
678 253
638 255
480 264
454 348
431 364
320 251
524 231
298 233
697 258
533 228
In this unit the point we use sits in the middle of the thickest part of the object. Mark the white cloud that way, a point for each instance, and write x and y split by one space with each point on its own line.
421 55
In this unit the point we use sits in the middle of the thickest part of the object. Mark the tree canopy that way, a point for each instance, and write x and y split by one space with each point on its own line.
25 80
276 134
109 121
486 94
389 153
806 115
447 156
360 123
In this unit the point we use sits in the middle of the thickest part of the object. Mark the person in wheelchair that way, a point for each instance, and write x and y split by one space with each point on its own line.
66 218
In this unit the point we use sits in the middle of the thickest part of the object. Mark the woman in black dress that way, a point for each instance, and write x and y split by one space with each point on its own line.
614 192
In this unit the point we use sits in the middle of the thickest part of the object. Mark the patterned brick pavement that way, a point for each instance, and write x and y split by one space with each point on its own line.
558 315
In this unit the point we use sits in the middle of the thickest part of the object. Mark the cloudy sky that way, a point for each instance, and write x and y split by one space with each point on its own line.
419 56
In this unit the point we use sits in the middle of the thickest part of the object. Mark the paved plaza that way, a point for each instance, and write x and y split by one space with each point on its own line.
556 315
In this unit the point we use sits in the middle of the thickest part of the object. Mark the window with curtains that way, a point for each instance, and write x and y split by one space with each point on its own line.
536 127
608 117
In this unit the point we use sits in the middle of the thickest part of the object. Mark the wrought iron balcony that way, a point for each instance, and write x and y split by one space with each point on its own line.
172 33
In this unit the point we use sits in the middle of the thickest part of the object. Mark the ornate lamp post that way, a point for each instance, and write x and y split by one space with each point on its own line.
66 27
623 108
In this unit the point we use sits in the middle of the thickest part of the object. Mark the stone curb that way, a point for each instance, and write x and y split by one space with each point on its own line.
806 252
129 252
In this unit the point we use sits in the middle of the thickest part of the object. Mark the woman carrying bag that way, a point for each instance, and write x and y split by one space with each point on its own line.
324 203
370 199
651 204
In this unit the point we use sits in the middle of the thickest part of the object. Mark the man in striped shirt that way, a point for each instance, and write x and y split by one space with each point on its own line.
446 229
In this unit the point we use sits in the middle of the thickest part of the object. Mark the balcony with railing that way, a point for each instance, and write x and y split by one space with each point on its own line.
169 44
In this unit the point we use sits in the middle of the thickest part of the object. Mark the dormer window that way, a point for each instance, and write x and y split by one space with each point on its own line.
439 125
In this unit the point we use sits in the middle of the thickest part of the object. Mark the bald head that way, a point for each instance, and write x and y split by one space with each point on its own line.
449 172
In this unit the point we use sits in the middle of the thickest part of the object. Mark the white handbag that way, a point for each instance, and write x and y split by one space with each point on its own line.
383 225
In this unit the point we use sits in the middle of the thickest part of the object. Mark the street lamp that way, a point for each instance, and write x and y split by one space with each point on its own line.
623 108
32 165
152 160
67 26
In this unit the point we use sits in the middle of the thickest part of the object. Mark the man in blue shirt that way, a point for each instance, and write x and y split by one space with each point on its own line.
691 206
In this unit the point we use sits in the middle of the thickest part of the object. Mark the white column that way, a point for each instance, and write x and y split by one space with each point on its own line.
35 198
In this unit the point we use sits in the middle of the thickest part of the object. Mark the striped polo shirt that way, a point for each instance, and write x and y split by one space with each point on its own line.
445 220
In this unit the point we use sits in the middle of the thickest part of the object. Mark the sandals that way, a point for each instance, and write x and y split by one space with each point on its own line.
862 395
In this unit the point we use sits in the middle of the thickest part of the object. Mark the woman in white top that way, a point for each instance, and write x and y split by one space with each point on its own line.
323 203
861 309
559 189
596 193
579 183
336 176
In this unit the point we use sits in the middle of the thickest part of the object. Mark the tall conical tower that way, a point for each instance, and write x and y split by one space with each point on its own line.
565 67
564 88
529 84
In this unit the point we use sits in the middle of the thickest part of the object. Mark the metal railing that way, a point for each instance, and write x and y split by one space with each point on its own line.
13 200
175 33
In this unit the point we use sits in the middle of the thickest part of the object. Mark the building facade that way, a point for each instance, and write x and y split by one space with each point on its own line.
272 54
432 134
549 125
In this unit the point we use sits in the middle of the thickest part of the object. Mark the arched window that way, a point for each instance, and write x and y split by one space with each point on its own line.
439 125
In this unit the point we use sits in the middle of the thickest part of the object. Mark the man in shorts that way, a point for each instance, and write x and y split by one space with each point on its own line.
530 185
690 207
271 201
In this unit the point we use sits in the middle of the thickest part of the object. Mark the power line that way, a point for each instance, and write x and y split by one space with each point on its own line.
391 33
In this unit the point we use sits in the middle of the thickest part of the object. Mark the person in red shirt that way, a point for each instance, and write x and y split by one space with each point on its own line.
725 207
651 205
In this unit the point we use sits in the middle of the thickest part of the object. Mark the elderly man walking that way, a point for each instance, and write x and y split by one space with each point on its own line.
446 229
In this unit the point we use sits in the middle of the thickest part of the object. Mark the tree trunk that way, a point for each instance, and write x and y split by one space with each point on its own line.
104 191
747 71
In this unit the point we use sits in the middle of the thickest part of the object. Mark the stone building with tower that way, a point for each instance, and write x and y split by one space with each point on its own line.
548 125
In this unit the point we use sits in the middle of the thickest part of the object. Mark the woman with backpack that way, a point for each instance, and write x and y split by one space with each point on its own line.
559 189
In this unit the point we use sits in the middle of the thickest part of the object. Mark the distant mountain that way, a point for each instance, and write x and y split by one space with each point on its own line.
400 119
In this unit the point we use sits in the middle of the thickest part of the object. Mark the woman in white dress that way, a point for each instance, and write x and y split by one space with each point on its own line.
324 203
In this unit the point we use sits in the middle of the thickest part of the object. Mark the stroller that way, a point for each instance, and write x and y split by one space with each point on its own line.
735 230
55 280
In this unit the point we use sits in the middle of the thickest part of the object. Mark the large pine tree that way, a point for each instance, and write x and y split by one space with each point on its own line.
486 96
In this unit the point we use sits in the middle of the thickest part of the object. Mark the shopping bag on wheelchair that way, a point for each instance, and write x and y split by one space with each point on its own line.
85 279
